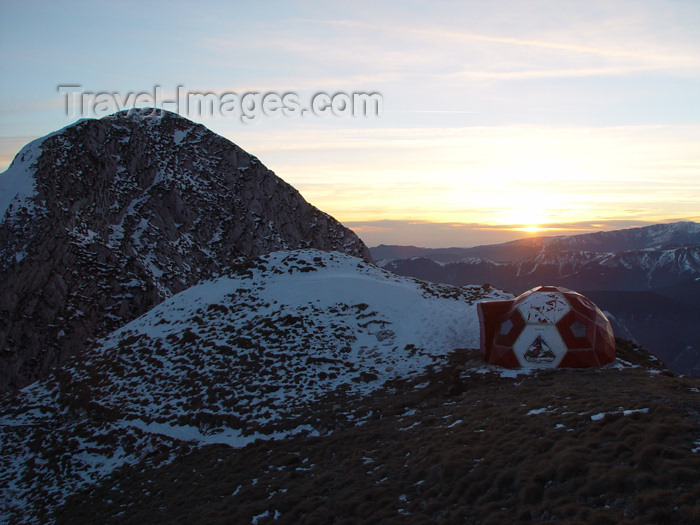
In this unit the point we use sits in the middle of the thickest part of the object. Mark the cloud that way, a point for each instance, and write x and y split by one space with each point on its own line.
491 55
554 72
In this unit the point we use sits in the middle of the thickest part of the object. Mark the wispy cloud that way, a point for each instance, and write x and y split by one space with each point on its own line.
553 73
628 55
465 36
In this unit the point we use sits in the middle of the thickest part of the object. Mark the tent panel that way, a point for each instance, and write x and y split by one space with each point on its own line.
510 328
577 331
539 346
579 359
504 356
605 345
583 305
543 307
489 312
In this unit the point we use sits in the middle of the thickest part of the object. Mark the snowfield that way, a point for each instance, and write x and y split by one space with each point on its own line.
273 335
17 184
248 355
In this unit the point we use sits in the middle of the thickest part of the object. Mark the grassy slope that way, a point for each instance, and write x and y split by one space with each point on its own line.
454 445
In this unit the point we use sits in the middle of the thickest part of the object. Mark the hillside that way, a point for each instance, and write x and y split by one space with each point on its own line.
618 445
306 387
662 322
104 219
254 353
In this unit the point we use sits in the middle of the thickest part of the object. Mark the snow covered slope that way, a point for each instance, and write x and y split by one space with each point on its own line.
253 353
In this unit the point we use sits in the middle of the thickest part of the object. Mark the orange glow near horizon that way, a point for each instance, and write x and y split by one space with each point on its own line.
559 229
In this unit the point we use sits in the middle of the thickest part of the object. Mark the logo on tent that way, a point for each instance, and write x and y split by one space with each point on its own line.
539 352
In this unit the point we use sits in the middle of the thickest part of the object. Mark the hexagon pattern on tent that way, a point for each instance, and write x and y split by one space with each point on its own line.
546 327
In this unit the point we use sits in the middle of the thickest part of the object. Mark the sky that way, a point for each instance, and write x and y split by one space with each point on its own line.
499 119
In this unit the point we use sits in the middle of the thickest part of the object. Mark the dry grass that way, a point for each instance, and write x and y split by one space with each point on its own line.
487 454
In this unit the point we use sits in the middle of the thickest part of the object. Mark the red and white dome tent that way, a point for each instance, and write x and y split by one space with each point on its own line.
546 327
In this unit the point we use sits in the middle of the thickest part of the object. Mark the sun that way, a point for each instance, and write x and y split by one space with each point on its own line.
531 229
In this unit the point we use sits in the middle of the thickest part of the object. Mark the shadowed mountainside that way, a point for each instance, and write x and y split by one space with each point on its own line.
104 219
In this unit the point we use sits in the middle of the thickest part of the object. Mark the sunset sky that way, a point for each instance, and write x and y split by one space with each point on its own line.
500 119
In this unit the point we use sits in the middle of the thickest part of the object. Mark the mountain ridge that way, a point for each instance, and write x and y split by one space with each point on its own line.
123 212
638 270
630 239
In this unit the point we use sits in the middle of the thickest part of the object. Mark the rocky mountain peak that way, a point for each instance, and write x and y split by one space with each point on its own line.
106 218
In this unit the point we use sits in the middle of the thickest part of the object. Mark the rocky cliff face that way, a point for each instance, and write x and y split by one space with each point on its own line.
105 219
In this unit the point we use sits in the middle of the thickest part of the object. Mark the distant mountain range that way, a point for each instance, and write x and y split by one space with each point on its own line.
632 239
647 278
104 219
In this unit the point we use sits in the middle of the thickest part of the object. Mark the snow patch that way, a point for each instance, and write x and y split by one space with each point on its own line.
179 135
17 183
231 437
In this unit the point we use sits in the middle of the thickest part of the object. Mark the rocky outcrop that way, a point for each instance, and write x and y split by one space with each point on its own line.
123 212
